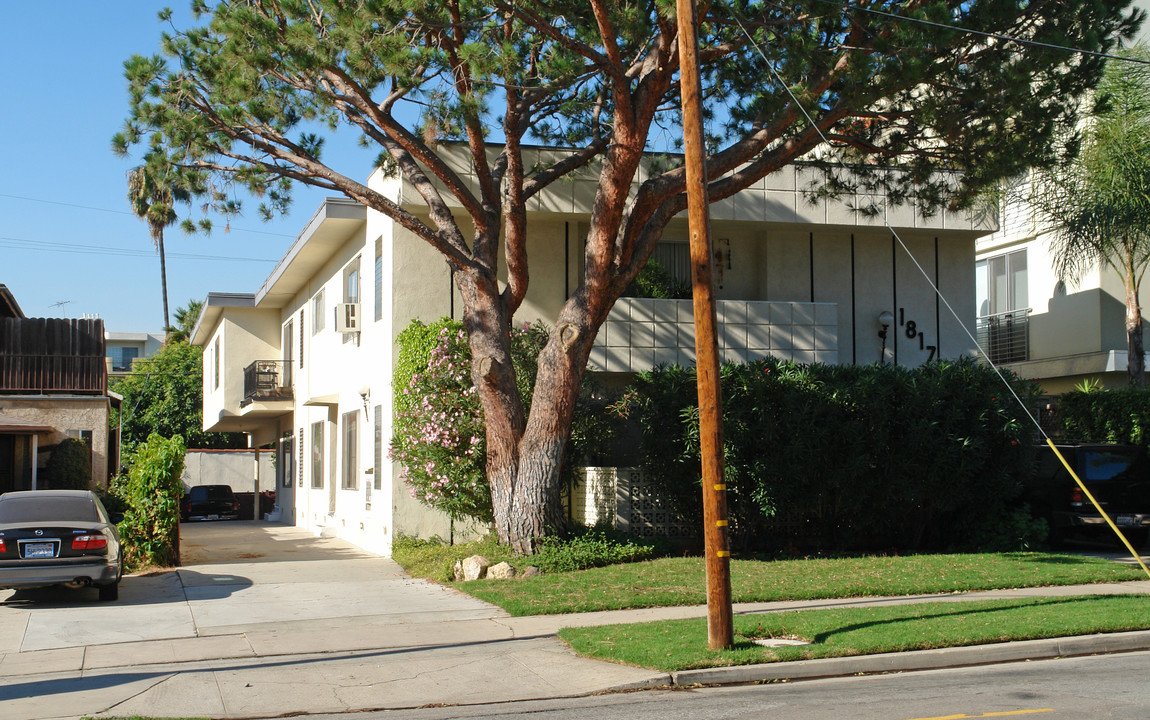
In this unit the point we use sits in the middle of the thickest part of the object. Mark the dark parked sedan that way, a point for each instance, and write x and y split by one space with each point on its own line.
58 537
210 502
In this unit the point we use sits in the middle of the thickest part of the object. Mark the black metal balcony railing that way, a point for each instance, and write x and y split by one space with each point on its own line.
267 380
1005 337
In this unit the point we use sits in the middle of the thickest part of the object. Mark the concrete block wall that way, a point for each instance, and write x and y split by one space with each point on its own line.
641 333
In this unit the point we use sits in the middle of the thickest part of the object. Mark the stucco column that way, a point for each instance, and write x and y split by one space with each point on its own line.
256 495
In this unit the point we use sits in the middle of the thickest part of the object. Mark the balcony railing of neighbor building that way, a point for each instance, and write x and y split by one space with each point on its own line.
52 355
43 374
1005 337
267 380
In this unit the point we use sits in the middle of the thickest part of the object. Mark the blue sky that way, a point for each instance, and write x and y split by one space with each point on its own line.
67 234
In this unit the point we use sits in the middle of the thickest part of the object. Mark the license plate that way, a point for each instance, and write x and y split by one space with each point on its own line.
40 550
1127 520
212 517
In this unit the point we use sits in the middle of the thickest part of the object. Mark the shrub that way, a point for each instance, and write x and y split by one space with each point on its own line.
152 490
69 466
1118 416
439 432
588 548
851 457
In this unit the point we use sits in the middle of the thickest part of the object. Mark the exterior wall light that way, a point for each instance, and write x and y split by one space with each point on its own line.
885 320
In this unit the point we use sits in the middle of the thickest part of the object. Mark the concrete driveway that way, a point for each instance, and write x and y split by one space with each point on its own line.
265 620
240 576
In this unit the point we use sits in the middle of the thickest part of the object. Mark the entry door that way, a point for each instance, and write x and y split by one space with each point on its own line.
7 463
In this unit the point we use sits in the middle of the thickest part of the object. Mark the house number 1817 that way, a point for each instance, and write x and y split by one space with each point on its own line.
912 332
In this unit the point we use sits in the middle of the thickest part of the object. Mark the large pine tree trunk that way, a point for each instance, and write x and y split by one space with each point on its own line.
525 455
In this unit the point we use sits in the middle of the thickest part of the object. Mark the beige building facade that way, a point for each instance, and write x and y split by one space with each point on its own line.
305 362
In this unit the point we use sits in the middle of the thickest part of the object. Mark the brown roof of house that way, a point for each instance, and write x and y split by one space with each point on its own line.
10 425
8 305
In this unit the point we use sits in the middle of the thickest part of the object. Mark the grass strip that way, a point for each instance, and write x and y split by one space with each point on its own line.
682 644
681 581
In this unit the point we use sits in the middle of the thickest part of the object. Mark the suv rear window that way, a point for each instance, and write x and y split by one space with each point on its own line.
210 492
1102 465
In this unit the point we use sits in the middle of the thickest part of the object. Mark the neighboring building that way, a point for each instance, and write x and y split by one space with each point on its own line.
53 385
1031 323
305 362
124 349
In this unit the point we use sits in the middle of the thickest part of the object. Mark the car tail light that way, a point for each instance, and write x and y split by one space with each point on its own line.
89 542
1076 497
2 548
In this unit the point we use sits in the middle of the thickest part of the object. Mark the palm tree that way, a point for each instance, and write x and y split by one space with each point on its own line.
152 193
185 321
1098 207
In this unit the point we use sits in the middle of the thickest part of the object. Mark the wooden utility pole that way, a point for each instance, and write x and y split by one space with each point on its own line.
720 630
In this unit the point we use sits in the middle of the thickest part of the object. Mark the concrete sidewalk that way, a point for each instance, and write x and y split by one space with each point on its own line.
336 630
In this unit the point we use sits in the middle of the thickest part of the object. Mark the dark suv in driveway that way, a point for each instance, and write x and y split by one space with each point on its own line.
210 502
1118 476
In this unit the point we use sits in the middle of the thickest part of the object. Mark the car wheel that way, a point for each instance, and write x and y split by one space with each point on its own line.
109 592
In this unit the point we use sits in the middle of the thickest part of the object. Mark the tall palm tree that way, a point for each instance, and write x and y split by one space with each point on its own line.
152 193
1098 207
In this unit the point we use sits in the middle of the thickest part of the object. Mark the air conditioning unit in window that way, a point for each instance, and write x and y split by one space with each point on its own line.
347 318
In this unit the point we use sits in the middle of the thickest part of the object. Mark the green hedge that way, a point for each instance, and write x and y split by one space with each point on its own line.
872 458
1119 416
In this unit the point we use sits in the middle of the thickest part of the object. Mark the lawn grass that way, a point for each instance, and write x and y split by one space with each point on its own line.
680 581
682 644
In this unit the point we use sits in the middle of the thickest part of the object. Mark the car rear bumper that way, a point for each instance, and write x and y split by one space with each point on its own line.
1122 520
45 575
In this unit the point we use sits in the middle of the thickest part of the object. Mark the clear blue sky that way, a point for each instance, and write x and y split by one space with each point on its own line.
67 234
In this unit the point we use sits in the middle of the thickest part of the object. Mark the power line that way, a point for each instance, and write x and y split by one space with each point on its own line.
122 212
76 249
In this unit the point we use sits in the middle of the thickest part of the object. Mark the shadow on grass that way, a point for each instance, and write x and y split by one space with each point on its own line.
823 637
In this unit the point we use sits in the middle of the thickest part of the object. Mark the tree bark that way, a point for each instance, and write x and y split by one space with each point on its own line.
1135 357
163 278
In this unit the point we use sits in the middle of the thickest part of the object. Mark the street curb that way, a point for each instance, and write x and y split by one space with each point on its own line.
917 660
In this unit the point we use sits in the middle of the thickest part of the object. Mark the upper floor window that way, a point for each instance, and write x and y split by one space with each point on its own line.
378 279
351 282
1001 284
351 290
122 357
216 364
317 314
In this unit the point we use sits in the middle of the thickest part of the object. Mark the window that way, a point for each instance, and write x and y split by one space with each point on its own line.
377 471
351 289
288 350
317 454
351 282
350 449
378 281
317 315
122 358
216 364
674 257
286 460
1001 285
1003 331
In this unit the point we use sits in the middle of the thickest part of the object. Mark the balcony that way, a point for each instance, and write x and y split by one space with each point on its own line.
1005 337
267 381
640 333
46 374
